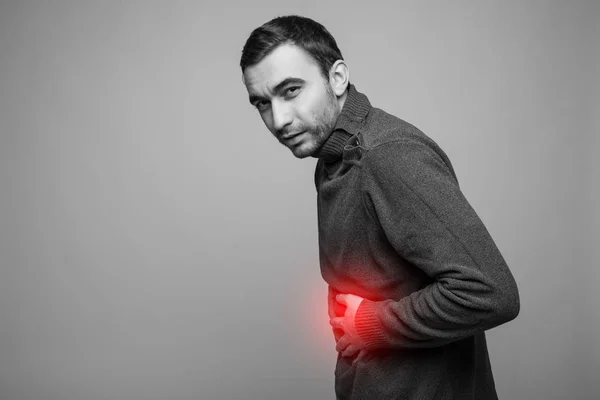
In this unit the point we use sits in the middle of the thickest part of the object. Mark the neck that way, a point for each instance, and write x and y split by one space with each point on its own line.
342 100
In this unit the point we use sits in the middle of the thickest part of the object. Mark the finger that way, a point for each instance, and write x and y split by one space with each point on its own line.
338 308
337 322
337 333
358 357
341 298
342 344
363 356
350 351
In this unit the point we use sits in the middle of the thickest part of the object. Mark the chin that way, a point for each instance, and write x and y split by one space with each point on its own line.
302 154
305 150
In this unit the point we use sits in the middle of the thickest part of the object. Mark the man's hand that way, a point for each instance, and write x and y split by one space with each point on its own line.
349 343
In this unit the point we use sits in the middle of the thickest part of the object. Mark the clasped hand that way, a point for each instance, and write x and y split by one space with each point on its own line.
348 342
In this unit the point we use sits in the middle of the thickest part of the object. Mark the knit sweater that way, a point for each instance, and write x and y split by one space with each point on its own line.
395 229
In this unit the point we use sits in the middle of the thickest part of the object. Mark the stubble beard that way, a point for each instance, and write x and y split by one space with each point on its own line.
320 132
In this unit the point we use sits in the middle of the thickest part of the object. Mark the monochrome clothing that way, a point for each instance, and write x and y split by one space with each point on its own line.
395 229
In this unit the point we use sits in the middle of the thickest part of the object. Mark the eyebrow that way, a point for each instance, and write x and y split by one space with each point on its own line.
278 87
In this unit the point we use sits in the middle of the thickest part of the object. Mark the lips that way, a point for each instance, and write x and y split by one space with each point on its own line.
292 140
288 137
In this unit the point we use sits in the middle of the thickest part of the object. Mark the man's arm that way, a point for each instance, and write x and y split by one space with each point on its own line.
413 194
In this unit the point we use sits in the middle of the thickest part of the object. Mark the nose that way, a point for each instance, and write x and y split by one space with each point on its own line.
282 115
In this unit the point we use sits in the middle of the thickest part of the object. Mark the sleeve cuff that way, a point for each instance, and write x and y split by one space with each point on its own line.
368 326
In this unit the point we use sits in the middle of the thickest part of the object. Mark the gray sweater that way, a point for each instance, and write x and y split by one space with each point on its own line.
395 229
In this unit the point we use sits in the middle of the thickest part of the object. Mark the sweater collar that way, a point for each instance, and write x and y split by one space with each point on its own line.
356 107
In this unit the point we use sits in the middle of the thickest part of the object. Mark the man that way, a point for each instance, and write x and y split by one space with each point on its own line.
414 277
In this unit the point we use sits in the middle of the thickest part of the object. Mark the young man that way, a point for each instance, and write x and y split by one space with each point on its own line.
414 277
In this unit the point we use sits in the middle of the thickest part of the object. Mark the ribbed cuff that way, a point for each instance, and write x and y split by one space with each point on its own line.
368 326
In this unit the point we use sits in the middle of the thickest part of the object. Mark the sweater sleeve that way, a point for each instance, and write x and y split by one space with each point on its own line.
411 190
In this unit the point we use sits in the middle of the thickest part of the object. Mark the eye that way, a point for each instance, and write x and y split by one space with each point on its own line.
261 105
291 91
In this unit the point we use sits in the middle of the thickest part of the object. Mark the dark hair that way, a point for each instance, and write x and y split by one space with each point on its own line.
303 32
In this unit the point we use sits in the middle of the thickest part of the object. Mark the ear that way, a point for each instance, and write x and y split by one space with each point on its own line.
339 77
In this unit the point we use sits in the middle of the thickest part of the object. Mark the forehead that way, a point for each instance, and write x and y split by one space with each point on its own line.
286 61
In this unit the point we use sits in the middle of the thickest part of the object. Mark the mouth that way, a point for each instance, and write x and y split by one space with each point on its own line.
289 138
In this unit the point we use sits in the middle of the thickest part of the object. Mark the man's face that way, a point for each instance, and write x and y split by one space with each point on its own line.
293 98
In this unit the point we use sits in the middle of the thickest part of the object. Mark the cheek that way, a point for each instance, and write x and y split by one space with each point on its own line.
307 106
321 108
268 121
312 109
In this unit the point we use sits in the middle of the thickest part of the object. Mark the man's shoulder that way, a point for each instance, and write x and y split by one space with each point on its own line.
382 128
385 135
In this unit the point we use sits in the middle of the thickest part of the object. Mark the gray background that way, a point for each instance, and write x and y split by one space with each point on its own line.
157 243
